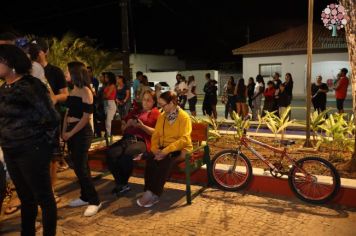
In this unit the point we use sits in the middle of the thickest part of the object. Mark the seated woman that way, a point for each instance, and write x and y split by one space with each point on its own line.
138 127
170 140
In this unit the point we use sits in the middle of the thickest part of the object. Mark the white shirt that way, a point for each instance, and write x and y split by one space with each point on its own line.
258 86
181 86
38 72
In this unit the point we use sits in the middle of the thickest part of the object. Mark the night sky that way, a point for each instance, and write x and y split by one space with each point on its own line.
194 28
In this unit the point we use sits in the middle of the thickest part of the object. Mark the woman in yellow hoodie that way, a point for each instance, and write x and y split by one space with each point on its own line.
170 140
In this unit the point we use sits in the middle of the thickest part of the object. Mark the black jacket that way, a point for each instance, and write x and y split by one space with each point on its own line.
27 114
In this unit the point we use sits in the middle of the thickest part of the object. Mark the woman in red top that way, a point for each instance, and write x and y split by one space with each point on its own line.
109 101
138 127
269 98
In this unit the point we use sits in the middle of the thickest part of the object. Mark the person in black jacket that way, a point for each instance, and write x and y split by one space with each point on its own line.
27 130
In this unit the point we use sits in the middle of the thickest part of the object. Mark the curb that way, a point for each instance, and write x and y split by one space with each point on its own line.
263 182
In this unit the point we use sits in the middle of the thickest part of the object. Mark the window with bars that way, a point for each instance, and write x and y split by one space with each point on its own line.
267 70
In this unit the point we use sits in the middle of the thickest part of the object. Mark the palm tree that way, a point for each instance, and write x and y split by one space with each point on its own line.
71 48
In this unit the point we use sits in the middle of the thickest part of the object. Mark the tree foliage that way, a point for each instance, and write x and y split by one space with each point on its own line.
71 48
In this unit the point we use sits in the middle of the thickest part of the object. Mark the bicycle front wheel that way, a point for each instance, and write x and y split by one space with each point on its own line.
231 170
314 180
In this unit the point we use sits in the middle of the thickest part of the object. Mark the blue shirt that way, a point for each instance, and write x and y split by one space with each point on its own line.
136 84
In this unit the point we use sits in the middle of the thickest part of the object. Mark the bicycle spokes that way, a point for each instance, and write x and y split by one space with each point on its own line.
230 170
313 179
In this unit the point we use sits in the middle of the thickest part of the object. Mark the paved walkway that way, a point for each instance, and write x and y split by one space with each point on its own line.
214 212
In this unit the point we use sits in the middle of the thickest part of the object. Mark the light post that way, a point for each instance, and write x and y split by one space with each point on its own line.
125 41
309 65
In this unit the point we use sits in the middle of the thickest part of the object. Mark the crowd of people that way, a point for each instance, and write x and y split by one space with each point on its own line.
42 107
278 95
37 111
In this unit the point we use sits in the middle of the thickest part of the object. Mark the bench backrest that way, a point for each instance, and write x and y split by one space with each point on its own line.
199 132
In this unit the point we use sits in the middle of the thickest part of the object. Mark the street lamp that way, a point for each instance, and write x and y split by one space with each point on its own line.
309 65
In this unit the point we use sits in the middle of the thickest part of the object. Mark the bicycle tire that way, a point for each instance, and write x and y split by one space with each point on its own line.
317 189
222 175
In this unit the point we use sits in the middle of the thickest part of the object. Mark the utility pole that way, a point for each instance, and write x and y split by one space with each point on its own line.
309 65
125 41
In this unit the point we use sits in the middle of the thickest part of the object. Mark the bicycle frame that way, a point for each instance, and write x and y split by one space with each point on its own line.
244 141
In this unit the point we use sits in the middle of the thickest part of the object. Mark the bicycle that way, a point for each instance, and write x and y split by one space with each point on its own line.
312 179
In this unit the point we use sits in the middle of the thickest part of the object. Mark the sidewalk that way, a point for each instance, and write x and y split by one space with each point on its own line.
213 212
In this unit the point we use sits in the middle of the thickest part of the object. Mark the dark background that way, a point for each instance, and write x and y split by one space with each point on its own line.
196 29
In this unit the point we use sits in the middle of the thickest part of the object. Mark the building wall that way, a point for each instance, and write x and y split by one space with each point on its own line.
327 65
149 63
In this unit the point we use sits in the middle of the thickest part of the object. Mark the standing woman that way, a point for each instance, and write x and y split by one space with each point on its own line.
257 97
79 134
288 84
123 95
231 98
109 101
241 95
27 131
250 91
192 95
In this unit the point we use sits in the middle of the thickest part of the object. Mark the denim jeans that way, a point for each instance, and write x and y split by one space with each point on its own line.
28 167
110 111
78 146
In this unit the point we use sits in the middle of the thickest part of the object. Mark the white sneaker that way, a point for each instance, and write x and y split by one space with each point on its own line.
77 203
92 210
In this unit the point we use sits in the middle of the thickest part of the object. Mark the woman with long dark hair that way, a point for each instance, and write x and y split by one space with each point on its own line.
123 96
250 91
241 95
109 96
78 132
27 131
192 95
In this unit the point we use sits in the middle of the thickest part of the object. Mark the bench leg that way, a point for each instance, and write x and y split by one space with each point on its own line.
188 191
208 165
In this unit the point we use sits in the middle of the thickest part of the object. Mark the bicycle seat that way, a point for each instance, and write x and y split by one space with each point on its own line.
287 142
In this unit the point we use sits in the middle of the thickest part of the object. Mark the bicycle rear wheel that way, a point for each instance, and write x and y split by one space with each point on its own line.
231 170
314 180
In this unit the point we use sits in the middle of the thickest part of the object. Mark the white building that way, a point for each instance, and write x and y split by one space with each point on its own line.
286 52
154 63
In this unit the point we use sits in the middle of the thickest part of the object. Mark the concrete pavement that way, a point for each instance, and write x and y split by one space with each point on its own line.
214 212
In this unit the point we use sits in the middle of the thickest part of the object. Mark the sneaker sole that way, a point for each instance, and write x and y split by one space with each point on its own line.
99 207
147 205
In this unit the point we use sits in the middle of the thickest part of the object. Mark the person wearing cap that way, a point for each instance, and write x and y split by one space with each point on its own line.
341 90
38 50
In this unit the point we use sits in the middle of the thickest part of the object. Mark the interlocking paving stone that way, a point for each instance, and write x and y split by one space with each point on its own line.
214 212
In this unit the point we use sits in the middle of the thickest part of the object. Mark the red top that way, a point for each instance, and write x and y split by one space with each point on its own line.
269 93
340 93
148 118
112 95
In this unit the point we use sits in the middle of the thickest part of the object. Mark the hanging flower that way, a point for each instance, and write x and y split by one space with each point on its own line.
334 14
